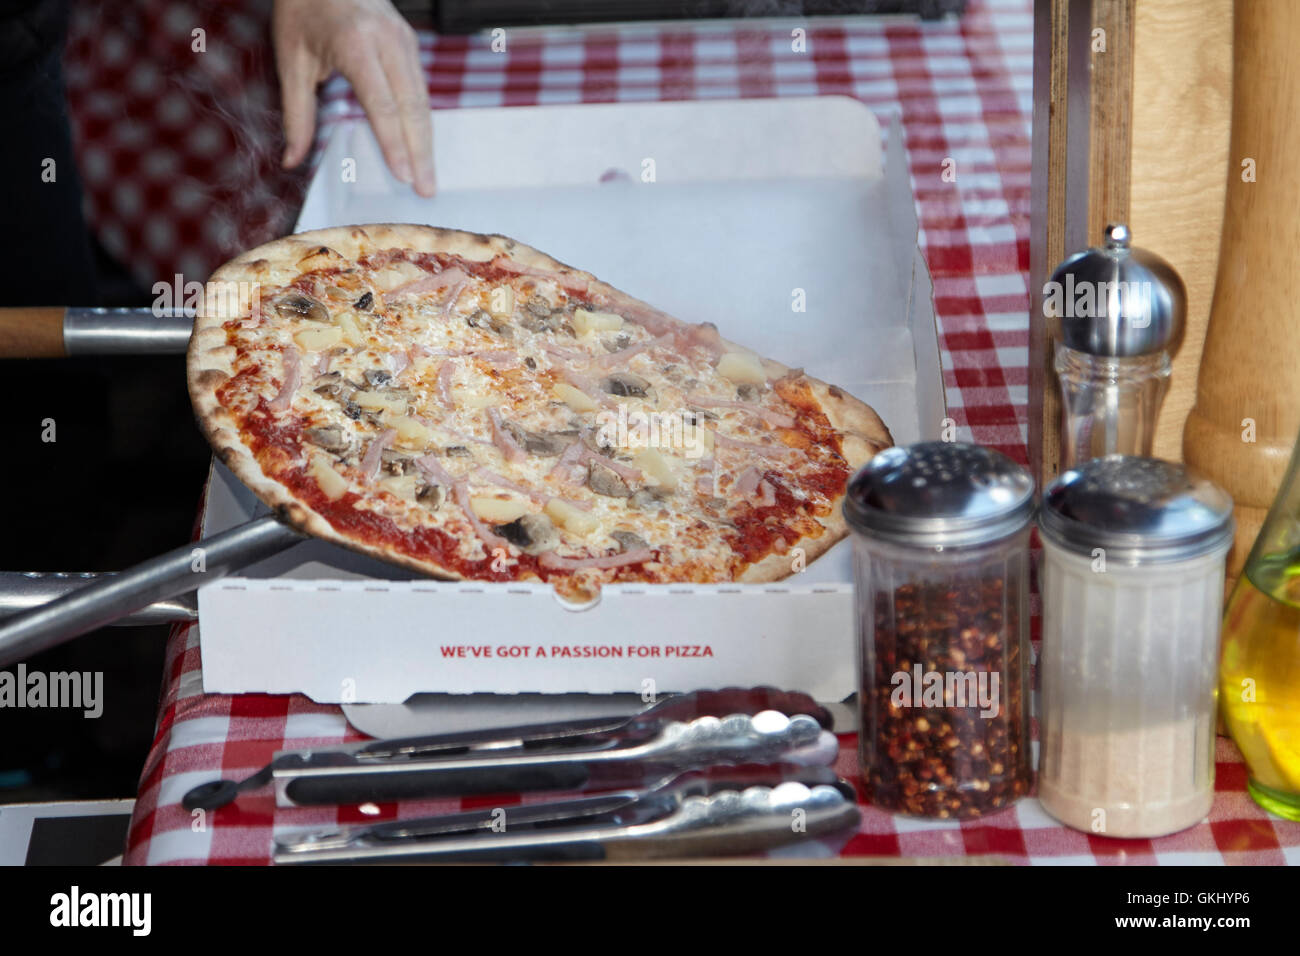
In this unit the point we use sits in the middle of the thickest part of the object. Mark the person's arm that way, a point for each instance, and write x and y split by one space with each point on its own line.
370 43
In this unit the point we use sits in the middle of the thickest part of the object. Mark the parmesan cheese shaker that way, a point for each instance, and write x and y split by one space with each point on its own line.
1132 586
1117 314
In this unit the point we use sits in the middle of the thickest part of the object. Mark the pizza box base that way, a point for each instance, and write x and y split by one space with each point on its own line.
754 206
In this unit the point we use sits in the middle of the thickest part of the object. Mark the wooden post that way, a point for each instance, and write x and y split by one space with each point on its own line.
1247 414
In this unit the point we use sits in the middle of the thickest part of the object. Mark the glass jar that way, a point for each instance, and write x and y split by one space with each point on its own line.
941 555
1132 586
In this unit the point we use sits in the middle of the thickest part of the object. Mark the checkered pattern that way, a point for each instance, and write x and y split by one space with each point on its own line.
176 121
963 89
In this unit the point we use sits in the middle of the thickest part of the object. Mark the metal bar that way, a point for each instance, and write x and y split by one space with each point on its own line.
23 590
127 331
115 596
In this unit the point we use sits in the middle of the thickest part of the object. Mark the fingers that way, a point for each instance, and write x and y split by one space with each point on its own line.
298 93
406 80
373 90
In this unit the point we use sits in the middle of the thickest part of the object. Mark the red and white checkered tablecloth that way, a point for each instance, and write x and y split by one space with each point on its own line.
964 92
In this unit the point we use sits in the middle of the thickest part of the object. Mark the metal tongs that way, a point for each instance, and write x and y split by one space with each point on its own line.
685 732
721 810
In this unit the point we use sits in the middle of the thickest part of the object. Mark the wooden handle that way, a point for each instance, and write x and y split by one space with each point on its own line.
34 332
1247 414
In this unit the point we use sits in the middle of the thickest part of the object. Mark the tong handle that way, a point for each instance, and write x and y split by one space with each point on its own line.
343 787
32 332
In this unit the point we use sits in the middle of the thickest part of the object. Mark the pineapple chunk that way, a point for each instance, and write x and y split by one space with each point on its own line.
742 368
381 403
584 321
498 510
397 274
468 398
351 330
331 482
578 400
318 340
570 518
403 487
501 302
409 431
657 469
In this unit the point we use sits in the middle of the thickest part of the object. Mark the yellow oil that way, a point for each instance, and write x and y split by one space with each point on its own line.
1259 679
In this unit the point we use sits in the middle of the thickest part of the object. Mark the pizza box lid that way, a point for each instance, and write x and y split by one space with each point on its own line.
786 223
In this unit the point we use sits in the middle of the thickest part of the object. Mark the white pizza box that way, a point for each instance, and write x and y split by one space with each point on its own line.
722 211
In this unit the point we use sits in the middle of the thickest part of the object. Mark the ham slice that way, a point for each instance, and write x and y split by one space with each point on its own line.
445 373
554 562
430 283
490 537
509 447
748 481
565 469
433 470
370 463
453 296
569 355
586 386
767 494
492 478
401 361
498 358
292 379
773 451
774 418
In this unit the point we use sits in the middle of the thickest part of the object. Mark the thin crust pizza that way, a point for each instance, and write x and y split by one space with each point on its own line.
467 406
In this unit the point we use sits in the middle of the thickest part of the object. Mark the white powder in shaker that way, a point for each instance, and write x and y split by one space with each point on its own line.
1143 782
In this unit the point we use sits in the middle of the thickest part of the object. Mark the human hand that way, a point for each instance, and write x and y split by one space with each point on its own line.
375 48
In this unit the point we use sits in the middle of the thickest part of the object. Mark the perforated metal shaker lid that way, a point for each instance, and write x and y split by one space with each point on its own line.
940 494
1137 509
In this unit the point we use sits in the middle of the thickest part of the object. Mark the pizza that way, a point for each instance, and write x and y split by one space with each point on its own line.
468 407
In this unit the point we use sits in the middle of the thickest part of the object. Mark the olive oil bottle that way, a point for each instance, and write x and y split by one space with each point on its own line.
1259 678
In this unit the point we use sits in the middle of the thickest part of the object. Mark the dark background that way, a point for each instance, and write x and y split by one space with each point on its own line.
120 484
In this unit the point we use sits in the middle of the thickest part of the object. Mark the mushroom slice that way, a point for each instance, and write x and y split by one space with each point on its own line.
536 443
604 481
625 385
329 437
377 377
295 305
431 496
530 533
629 540
395 463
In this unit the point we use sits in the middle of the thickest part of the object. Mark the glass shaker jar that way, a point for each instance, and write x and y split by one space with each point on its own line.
941 538
1132 585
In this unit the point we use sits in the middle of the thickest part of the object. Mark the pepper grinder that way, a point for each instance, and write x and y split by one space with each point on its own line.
1117 313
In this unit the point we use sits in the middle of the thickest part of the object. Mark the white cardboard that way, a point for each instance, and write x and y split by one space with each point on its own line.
750 201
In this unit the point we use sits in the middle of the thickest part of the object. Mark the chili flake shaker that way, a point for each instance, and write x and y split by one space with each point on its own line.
1117 314
1132 586
941 557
